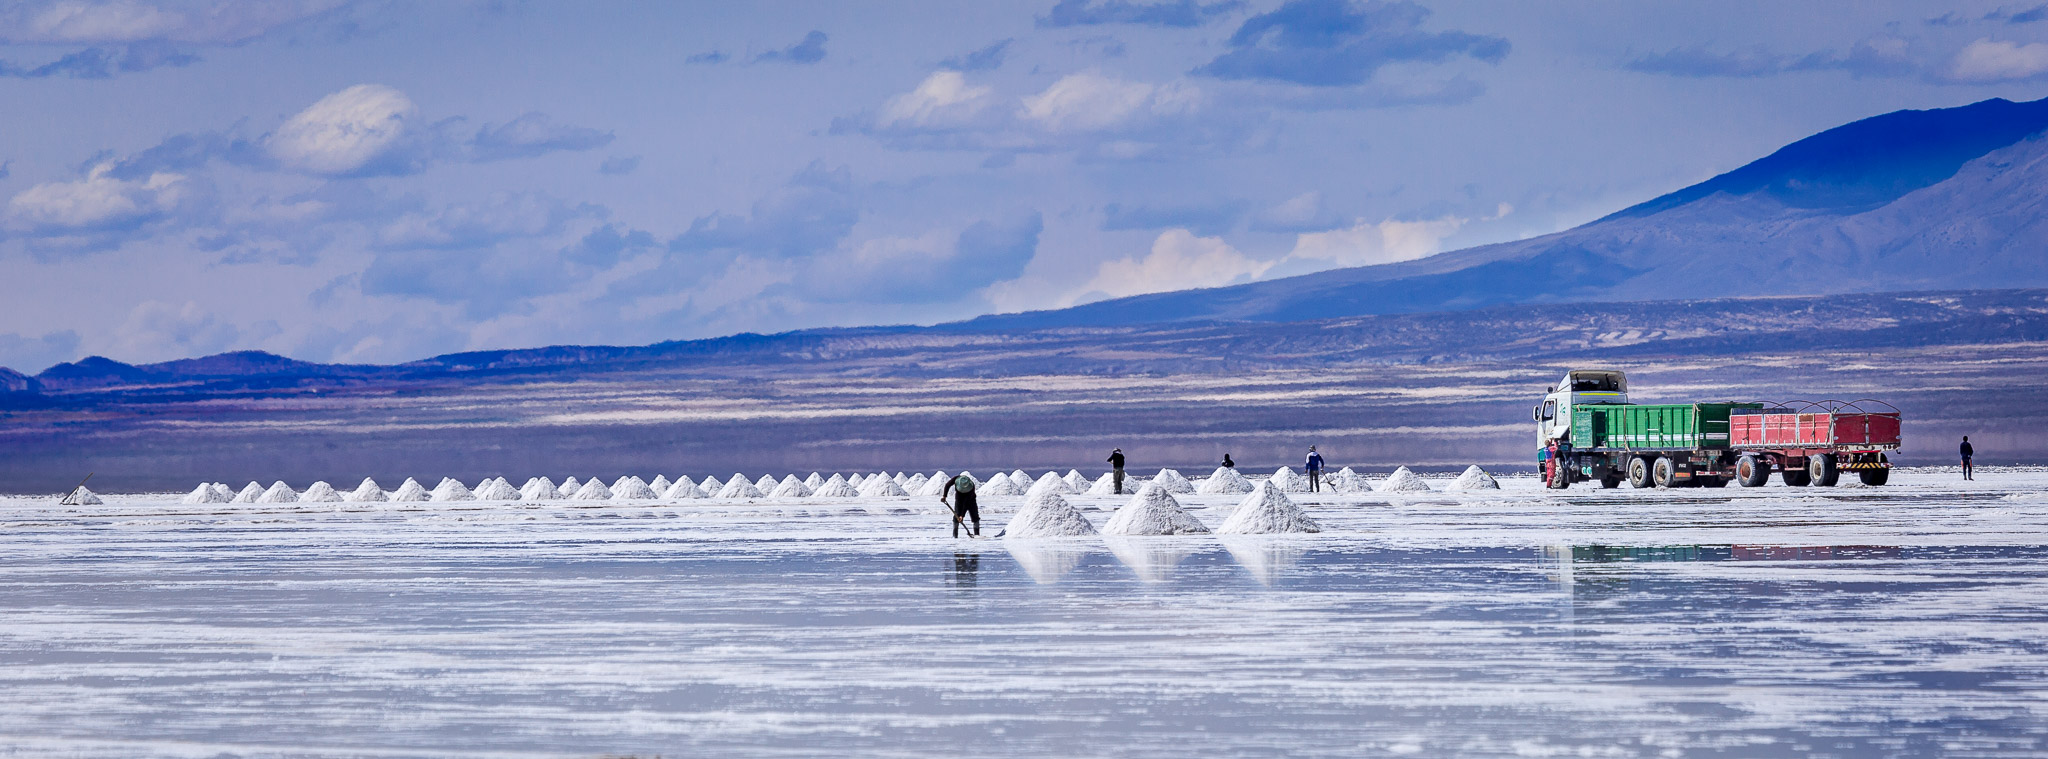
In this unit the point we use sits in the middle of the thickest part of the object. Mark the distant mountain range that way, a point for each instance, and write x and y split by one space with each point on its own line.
1912 200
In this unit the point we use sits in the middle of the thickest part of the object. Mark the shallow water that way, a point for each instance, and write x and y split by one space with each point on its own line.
1896 621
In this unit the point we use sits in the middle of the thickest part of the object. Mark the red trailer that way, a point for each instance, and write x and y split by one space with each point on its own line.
1812 443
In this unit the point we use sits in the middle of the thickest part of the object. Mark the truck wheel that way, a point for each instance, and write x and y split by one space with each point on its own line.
1821 470
1752 472
1662 472
1560 477
1874 477
1639 472
1795 477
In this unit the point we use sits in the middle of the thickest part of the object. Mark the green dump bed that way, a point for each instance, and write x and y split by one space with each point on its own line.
1654 427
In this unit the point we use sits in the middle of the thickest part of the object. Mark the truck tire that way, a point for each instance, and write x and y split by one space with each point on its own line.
1560 477
1821 470
1874 477
1662 472
1639 472
1752 471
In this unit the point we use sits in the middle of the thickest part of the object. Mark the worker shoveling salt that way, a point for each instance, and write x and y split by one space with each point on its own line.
320 492
1403 481
1048 515
1225 481
1267 511
368 492
1153 511
836 487
1474 478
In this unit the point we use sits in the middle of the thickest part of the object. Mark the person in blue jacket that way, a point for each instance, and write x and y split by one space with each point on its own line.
1315 470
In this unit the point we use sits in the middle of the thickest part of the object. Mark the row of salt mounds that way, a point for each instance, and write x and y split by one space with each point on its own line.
837 487
1076 482
278 493
206 493
368 492
1474 478
1047 515
1225 481
1349 482
882 487
790 487
1152 512
1266 512
1172 482
320 492
1049 484
1403 481
936 485
1288 482
1000 484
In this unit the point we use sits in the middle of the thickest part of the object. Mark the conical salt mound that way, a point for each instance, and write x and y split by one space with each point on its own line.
452 490
368 492
935 485
882 487
711 486
1000 485
1047 515
1403 481
1265 512
205 493
539 489
84 496
1049 483
855 481
592 490
1076 483
498 490
249 494
279 493
900 479
1171 481
320 492
410 490
659 485
1474 478
765 484
1020 477
915 484
223 492
1288 481
837 487
569 487
1106 485
814 481
739 487
1225 481
684 489
1152 512
1349 482
790 487
633 489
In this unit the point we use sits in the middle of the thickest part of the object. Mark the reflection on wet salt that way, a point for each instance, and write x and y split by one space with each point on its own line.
1266 557
1047 560
1152 558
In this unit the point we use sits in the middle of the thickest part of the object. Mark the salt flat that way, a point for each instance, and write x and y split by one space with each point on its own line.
1896 621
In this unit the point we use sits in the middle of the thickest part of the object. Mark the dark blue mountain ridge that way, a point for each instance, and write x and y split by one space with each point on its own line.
1910 200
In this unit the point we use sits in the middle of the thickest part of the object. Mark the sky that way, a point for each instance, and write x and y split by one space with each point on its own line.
377 182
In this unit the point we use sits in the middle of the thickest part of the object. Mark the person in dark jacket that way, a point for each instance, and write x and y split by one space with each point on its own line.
962 491
1116 466
1315 470
1227 463
1968 473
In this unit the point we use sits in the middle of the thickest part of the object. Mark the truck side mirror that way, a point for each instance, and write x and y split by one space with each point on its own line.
1536 412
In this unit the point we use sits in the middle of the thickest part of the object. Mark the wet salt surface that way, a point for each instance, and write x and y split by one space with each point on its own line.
1896 621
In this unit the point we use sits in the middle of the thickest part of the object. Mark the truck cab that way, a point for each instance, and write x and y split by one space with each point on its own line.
1578 387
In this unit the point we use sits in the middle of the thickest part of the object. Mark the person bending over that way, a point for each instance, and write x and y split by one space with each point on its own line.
962 492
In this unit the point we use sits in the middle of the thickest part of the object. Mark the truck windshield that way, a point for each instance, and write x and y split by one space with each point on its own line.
1593 385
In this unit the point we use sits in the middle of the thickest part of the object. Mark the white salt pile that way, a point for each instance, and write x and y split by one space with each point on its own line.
320 492
410 490
814 481
633 489
883 487
1047 515
660 484
278 493
1265 512
223 492
1349 482
1153 511
1020 477
936 485
739 487
592 490
539 489
84 496
915 484
368 492
249 494
1403 481
1106 485
855 480
569 486
1474 478
498 490
1076 482
765 484
901 479
1049 483
790 487
837 487
1172 481
684 489
452 490
1225 481
205 493
1288 481
711 486
999 485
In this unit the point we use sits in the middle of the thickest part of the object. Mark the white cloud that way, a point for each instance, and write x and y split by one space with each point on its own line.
1088 102
119 21
1178 260
98 202
942 99
1365 243
155 330
344 131
1989 61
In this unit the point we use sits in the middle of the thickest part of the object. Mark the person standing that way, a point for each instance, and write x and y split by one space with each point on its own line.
962 491
1116 466
1227 463
1968 473
1315 470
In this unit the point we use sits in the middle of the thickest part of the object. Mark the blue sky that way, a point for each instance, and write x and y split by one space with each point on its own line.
378 182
